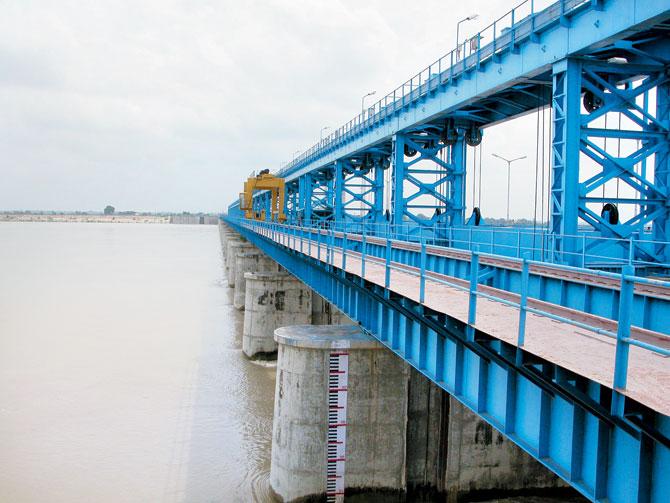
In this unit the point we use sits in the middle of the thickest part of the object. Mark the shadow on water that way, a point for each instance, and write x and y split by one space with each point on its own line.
231 427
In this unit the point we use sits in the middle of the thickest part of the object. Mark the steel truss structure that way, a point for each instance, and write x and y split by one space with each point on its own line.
616 79
607 448
398 172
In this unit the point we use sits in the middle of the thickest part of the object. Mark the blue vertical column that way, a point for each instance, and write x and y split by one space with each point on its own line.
378 203
456 209
398 166
307 201
267 202
565 156
661 224
338 192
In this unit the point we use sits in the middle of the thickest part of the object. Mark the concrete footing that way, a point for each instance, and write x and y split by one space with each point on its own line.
272 300
233 247
251 261
375 434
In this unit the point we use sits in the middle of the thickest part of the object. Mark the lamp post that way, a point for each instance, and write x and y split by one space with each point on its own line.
324 128
471 17
371 93
509 165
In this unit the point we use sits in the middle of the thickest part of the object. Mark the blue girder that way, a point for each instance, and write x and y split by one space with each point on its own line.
608 448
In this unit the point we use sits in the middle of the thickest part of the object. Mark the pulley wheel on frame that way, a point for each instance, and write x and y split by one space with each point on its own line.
610 213
592 102
409 151
473 136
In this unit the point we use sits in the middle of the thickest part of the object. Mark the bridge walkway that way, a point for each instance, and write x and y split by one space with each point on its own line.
571 345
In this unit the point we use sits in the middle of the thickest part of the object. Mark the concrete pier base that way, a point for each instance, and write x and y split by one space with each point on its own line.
226 233
376 403
234 247
252 261
272 300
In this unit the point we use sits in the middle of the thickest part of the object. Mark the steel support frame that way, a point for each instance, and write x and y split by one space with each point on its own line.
576 136
359 190
292 202
443 184
316 197
562 420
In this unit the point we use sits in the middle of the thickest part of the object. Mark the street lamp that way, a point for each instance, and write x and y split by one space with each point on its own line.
509 164
471 17
371 93
324 128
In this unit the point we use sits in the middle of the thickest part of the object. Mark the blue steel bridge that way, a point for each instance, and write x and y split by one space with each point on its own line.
558 335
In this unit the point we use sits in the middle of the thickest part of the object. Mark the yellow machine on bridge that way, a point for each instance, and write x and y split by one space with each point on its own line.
263 181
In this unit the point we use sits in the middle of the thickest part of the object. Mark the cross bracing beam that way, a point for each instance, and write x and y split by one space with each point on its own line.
316 197
359 188
508 77
429 178
448 86
586 92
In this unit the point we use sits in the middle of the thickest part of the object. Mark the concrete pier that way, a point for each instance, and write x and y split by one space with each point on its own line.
251 261
225 233
235 246
375 418
272 300
324 313
482 462
451 451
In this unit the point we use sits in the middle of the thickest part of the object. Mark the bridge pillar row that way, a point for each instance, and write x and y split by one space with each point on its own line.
249 261
235 246
225 233
272 300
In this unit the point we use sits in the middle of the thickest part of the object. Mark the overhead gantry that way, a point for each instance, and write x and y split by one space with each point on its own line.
270 204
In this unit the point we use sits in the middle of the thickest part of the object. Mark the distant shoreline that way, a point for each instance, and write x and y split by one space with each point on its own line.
110 219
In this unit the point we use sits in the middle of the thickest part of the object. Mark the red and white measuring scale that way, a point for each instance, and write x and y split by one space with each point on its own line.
338 380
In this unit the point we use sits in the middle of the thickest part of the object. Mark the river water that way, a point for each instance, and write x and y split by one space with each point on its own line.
121 374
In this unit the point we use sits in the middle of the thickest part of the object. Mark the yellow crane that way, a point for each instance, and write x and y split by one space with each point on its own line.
263 181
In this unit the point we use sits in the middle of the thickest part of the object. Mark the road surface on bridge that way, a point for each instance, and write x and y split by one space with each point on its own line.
585 353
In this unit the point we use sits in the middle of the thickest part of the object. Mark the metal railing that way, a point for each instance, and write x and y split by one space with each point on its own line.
520 23
593 251
312 240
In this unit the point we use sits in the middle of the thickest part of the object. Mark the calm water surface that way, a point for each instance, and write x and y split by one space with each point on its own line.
121 374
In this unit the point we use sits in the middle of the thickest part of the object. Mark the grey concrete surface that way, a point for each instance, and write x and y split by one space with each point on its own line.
251 261
234 247
324 313
377 401
272 300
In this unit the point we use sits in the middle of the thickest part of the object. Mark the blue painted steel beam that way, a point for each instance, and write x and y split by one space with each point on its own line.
478 78
561 419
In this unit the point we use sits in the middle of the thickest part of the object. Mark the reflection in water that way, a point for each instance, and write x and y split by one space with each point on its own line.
121 377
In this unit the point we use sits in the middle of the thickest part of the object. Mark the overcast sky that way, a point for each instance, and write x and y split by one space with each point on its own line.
168 105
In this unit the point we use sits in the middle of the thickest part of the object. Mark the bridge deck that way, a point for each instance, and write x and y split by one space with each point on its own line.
585 353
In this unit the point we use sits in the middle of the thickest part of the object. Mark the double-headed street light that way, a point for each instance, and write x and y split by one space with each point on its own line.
324 128
471 17
371 93
509 164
